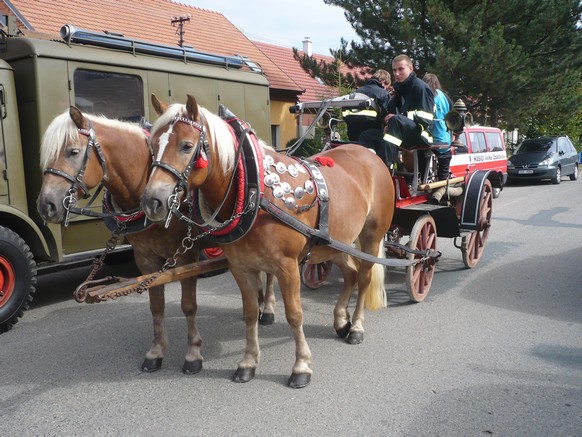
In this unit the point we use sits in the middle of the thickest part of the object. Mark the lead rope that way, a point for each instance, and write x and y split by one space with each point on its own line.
186 244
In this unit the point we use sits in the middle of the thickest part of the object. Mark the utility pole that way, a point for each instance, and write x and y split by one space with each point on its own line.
180 32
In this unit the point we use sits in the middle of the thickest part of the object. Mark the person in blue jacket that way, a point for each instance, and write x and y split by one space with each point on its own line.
440 133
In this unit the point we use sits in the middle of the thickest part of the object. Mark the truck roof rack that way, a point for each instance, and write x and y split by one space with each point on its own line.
71 34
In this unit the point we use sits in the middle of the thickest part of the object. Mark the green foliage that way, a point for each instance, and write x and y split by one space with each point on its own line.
309 146
515 63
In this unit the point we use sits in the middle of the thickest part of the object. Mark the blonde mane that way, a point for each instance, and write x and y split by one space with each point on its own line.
62 131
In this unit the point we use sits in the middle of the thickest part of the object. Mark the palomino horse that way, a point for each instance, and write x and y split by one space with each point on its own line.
119 155
194 145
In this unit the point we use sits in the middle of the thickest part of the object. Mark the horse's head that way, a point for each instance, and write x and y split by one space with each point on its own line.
72 163
184 142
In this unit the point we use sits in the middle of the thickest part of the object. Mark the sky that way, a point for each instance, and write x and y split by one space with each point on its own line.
285 22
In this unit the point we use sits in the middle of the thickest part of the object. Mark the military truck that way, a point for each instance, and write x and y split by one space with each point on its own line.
40 77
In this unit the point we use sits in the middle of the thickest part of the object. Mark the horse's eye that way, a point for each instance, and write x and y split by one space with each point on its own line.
74 152
187 146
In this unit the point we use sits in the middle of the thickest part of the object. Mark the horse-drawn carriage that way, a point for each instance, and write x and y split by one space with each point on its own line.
213 181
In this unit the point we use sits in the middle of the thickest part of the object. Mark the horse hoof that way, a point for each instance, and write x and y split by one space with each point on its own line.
243 374
267 319
192 367
299 380
343 332
355 338
151 364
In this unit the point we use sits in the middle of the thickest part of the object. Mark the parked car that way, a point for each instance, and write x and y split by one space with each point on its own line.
481 148
549 157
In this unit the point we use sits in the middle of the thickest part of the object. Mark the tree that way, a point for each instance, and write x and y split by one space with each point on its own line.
511 61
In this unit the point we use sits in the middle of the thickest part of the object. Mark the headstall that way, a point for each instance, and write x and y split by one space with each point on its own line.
70 201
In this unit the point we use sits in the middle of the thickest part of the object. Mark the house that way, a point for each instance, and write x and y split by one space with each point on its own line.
159 21
313 89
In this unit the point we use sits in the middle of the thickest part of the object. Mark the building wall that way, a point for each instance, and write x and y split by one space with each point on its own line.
283 121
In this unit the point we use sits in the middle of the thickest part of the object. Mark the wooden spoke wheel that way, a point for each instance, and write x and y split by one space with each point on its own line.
419 276
472 245
314 275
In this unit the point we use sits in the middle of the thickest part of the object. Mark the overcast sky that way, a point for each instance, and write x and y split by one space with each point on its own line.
285 22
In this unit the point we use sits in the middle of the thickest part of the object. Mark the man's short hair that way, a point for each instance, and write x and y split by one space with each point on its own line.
402 57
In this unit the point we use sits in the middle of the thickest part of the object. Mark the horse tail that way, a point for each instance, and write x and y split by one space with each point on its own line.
376 294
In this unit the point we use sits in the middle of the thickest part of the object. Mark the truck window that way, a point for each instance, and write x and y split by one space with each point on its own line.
494 140
478 144
113 95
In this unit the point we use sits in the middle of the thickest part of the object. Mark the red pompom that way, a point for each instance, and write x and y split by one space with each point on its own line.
324 160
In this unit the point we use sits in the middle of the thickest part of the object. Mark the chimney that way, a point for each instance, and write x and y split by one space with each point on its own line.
307 46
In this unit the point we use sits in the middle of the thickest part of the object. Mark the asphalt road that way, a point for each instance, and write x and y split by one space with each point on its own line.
496 350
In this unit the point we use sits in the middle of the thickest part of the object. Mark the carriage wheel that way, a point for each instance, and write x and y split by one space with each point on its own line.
419 276
473 244
314 275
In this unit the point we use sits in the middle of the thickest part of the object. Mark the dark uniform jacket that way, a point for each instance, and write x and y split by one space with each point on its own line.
413 95
359 122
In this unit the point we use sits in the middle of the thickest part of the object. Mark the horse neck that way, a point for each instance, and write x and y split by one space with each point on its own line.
128 162
216 187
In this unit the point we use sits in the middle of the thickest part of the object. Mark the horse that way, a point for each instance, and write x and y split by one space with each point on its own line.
78 152
196 148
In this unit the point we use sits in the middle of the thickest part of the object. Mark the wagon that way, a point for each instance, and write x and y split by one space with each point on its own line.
464 216
410 244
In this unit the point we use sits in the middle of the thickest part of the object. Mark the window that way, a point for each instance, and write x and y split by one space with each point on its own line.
275 135
478 144
113 95
495 142
462 149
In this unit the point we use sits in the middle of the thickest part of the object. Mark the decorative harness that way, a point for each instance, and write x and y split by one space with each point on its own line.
252 173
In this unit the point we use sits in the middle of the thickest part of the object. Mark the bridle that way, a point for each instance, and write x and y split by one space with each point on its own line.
70 201
201 152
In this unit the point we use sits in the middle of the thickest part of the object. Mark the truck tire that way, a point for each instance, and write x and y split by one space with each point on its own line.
17 278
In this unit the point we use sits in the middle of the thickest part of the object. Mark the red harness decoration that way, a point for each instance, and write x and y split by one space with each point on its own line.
241 179
325 161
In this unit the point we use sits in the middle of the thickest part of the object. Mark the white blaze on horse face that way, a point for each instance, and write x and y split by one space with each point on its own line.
163 143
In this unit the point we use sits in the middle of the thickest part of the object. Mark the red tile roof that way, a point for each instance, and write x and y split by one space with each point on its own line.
150 20
314 89
283 57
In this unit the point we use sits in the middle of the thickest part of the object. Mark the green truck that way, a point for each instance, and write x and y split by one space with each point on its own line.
40 77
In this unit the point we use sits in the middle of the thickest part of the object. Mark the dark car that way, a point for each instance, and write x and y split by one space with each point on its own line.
544 158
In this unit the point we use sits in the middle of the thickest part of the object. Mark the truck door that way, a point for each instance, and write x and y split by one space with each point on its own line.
3 167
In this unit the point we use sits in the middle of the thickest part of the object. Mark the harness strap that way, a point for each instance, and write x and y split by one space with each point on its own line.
315 234
322 196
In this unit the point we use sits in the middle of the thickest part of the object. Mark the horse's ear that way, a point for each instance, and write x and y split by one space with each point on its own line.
77 117
192 108
158 105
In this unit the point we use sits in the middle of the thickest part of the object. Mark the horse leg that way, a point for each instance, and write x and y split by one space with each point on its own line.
193 360
267 299
341 314
371 294
290 285
155 355
247 282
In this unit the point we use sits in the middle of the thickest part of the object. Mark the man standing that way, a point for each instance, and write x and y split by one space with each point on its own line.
411 110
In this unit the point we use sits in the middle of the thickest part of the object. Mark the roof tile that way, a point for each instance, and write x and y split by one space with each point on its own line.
207 31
